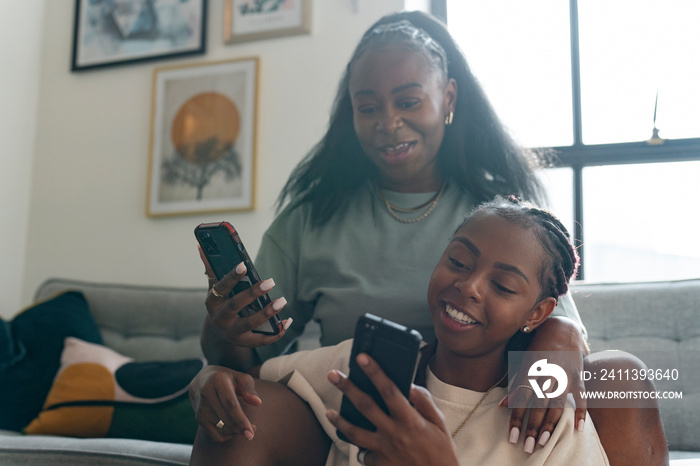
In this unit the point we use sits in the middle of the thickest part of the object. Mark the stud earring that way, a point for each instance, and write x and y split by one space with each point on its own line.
448 118
526 329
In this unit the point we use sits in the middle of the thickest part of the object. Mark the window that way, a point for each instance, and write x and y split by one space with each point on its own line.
595 80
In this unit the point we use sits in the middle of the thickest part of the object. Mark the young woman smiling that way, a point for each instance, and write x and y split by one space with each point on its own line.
494 285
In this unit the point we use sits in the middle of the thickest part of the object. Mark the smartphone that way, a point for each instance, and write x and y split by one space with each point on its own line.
224 250
395 348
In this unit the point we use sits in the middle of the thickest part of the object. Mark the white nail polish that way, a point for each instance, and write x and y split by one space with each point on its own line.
279 304
240 268
267 284
544 438
514 435
288 323
529 445
580 425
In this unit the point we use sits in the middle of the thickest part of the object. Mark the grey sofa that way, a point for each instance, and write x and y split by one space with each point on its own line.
149 323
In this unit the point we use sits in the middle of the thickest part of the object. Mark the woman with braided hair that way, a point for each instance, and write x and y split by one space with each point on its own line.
412 145
496 283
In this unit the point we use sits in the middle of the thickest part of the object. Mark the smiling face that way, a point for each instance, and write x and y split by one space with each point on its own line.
485 287
400 100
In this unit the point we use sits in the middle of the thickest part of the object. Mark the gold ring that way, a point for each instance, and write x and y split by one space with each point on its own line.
216 293
220 425
525 386
209 277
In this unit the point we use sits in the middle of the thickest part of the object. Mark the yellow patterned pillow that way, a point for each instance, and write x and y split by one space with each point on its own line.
101 393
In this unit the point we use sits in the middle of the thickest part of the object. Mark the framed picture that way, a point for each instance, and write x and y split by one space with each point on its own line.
247 20
115 32
203 130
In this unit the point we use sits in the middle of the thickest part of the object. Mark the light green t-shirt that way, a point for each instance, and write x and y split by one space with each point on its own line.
361 261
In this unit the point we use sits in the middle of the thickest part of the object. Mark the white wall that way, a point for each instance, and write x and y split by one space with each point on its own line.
88 187
20 30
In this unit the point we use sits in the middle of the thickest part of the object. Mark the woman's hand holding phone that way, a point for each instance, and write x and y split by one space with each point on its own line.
409 435
224 311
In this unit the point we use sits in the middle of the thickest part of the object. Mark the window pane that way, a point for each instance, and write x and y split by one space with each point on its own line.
520 52
644 228
560 190
629 50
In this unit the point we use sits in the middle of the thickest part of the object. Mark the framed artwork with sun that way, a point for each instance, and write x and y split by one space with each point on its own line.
203 129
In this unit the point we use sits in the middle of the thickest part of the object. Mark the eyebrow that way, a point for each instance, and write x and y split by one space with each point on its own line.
395 90
499 265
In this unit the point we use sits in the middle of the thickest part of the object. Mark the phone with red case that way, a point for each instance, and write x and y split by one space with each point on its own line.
224 250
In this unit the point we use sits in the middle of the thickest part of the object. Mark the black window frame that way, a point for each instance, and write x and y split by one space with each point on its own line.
579 155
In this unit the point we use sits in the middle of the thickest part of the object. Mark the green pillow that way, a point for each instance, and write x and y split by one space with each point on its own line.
30 350
101 393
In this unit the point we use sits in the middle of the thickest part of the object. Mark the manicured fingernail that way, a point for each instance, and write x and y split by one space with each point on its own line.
267 284
580 425
514 435
248 434
240 268
334 377
544 438
279 304
288 323
504 401
529 445
363 360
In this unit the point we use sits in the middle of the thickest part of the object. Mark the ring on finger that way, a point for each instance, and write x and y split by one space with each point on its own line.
220 425
361 456
525 386
216 293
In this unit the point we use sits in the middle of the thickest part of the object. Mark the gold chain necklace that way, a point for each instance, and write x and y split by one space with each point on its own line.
393 208
478 404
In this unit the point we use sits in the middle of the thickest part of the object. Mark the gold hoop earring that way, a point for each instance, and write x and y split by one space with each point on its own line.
448 118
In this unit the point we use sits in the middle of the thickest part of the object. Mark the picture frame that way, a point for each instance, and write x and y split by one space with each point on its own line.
118 32
248 20
203 138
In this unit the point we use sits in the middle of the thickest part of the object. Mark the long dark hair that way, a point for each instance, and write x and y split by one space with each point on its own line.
476 153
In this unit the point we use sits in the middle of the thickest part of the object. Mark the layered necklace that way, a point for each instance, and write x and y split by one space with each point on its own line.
430 204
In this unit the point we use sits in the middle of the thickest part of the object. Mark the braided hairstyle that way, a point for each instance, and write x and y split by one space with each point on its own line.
561 260
477 152
558 267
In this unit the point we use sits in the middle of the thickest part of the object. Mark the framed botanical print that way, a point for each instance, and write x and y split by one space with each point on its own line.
247 20
203 130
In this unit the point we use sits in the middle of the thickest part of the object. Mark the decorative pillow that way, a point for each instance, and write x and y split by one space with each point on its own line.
101 393
30 351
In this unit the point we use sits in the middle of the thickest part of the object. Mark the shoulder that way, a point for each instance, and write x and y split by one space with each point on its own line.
291 221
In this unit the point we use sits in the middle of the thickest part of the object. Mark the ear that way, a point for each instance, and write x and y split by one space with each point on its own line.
451 95
540 312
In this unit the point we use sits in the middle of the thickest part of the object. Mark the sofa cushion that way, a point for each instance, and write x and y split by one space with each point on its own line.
30 350
22 450
142 322
101 393
657 322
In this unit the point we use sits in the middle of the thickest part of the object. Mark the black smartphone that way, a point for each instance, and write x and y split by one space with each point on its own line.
395 348
224 250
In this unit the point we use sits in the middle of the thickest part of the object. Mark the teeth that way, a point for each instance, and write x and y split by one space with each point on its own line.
459 316
398 148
